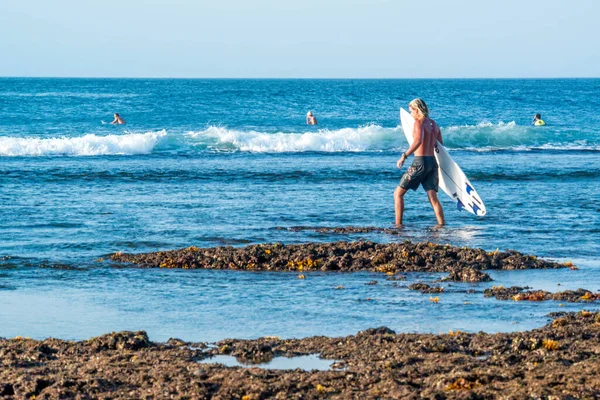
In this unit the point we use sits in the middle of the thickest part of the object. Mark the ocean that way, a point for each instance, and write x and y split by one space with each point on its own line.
212 162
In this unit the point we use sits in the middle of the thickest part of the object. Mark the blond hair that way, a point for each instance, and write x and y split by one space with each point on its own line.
420 106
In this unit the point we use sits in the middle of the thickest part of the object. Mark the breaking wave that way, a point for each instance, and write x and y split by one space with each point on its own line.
483 137
366 138
88 145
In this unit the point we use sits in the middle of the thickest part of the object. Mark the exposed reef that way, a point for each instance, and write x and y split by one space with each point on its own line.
425 288
463 264
519 293
560 360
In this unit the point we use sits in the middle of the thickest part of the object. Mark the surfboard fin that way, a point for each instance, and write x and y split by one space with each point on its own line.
459 205
469 189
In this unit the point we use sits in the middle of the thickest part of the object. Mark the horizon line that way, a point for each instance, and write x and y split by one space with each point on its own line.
292 78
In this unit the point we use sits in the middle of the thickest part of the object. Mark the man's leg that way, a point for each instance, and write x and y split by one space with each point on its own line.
437 206
399 204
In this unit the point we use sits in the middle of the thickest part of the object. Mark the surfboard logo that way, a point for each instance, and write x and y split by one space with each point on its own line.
436 149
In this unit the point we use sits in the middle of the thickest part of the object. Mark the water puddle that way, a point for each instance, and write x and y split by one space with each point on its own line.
307 363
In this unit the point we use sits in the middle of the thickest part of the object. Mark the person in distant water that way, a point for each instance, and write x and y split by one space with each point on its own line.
537 120
118 120
424 169
310 118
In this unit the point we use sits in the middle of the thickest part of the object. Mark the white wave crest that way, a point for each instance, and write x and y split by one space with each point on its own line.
365 138
88 145
485 124
490 135
70 94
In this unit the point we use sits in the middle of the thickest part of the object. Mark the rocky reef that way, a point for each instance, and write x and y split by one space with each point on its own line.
519 293
463 264
560 360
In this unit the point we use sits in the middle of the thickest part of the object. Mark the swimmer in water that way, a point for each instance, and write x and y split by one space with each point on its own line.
537 120
118 120
310 118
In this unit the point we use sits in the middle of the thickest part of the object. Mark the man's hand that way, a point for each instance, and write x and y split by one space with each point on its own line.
400 162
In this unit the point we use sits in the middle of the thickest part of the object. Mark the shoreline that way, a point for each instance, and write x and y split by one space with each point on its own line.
560 359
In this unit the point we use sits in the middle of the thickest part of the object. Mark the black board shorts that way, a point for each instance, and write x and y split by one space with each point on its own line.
423 171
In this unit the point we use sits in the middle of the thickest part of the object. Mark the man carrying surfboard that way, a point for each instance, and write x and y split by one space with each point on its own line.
424 169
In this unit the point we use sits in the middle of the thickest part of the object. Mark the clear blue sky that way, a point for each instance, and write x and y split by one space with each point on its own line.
303 39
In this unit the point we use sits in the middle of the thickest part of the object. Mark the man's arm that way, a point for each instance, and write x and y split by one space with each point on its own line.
417 140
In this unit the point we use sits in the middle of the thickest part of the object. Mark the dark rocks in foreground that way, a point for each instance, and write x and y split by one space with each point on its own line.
519 293
462 264
559 360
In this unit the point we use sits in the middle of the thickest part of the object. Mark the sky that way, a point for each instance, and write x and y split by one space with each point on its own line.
300 39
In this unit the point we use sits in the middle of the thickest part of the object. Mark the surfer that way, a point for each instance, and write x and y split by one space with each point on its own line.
424 169
118 120
537 120
310 118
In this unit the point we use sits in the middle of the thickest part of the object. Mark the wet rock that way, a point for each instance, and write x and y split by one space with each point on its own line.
425 288
559 360
518 293
176 342
121 341
382 330
7 390
254 353
579 295
502 293
467 274
463 264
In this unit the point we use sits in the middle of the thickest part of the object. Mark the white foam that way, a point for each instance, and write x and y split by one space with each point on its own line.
365 138
502 135
483 137
88 145
70 94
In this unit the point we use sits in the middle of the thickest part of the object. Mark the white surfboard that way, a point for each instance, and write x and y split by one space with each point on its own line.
453 181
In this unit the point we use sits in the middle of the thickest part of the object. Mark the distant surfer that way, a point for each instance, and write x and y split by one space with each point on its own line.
537 120
424 169
310 118
118 120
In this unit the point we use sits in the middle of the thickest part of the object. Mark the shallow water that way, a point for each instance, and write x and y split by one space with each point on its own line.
230 162
307 363
206 305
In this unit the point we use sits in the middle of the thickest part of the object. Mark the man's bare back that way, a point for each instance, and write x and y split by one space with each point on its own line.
428 132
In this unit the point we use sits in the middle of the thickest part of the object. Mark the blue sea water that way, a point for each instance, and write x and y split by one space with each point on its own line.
231 162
